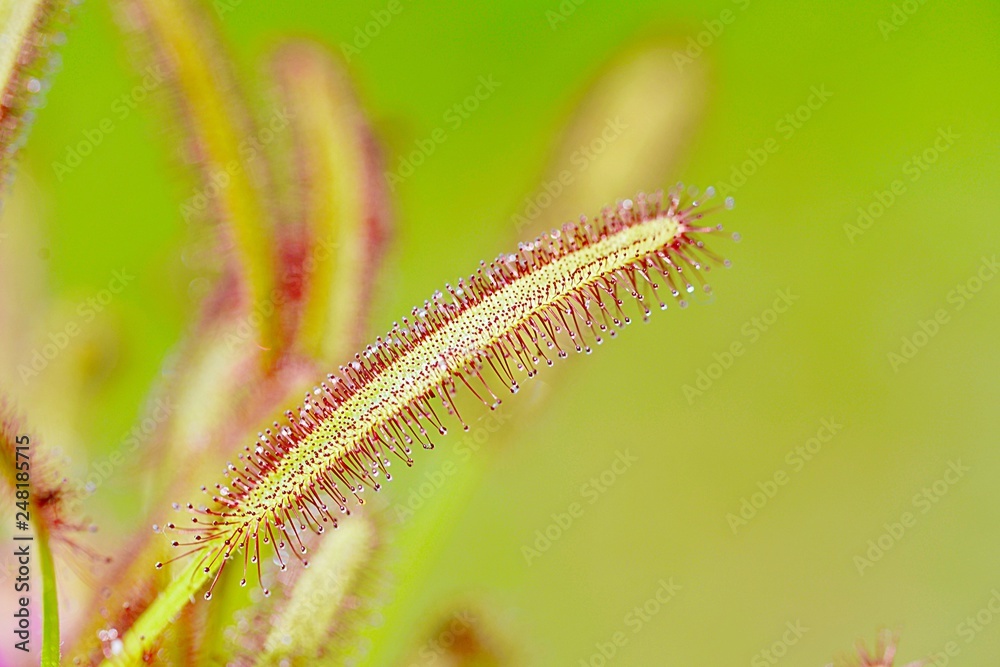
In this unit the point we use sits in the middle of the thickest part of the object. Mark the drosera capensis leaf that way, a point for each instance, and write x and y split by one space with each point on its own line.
130 589
219 130
29 29
219 352
29 475
633 123
590 164
559 292
302 630
125 593
338 198
16 454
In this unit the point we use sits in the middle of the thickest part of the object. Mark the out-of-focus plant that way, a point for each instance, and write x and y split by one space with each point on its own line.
290 243
29 31
882 655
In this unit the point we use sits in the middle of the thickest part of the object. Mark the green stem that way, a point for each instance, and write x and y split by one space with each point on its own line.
420 543
50 600
154 621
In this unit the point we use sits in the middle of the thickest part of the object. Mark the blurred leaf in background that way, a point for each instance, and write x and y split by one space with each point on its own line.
789 471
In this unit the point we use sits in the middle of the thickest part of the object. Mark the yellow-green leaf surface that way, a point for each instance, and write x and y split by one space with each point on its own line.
641 141
341 195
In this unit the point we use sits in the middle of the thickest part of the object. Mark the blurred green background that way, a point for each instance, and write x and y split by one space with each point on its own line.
826 357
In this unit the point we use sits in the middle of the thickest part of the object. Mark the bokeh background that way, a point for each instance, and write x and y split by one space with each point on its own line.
858 293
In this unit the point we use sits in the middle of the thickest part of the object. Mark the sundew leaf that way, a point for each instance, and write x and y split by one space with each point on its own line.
145 633
39 493
28 34
344 226
561 292
130 590
186 419
204 409
337 196
310 623
221 133
121 597
217 356
631 126
556 292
